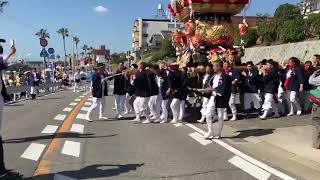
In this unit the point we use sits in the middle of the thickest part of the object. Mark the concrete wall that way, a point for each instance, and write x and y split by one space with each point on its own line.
303 50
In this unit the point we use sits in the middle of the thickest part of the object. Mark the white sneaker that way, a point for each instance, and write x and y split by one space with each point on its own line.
157 121
299 113
217 137
163 121
173 121
201 121
146 122
234 118
88 119
207 136
103 117
290 114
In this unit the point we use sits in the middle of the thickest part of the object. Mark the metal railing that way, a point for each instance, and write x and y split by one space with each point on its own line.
16 91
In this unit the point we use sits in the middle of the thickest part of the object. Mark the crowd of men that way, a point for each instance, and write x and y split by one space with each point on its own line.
269 88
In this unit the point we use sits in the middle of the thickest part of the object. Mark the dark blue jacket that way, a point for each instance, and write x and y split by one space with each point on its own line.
296 79
145 84
271 82
97 86
178 83
306 75
121 85
251 82
234 74
223 91
31 80
164 85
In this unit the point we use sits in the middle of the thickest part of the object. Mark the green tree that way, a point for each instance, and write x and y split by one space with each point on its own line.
64 32
42 33
166 51
266 28
58 57
249 39
313 22
3 4
76 41
292 31
85 48
286 12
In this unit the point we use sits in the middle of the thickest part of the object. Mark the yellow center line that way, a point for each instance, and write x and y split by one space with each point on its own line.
44 164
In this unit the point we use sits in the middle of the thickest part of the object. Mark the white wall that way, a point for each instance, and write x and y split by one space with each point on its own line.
303 50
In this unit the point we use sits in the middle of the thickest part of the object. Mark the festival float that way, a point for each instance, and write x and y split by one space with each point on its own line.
208 34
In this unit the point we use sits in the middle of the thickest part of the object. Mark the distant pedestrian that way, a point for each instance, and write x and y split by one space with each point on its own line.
34 82
77 81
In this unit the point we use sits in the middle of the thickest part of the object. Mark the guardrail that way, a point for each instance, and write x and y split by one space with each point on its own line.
16 91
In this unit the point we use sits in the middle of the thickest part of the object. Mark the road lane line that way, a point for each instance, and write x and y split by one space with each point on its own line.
77 100
199 137
67 109
246 157
60 117
81 116
81 96
49 129
71 148
178 124
45 163
90 99
77 128
88 103
73 104
34 151
249 168
85 109
61 177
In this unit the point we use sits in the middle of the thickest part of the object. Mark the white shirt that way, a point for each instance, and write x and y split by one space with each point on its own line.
76 76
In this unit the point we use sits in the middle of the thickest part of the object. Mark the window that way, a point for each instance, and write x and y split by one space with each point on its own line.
145 24
145 35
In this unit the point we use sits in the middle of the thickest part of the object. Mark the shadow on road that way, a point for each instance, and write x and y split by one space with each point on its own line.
252 133
56 98
57 135
94 171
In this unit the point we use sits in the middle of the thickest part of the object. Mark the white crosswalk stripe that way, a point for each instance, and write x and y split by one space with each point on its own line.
71 148
73 104
77 128
67 109
81 116
85 108
198 137
88 103
33 152
49 129
60 117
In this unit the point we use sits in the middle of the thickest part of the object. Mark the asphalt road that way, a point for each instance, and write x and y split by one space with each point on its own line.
116 149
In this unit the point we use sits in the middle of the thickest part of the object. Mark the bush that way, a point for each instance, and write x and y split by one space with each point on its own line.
292 31
313 22
249 39
286 12
166 51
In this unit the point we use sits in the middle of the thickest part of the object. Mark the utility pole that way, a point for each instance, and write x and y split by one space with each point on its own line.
72 58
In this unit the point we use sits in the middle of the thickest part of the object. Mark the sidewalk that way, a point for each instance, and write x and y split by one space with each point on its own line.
284 142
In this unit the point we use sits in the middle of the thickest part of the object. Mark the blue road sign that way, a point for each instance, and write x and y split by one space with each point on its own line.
44 53
51 51
52 56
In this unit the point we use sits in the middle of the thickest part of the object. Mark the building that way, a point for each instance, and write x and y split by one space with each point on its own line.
102 54
311 6
34 64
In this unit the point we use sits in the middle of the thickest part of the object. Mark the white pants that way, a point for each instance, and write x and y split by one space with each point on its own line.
221 112
128 107
153 106
141 107
203 110
119 103
164 115
232 104
270 103
293 101
210 111
34 90
95 103
178 109
76 85
251 98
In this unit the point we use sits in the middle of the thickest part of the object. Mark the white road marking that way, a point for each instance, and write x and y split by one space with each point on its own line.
198 137
89 99
60 117
77 100
49 129
81 96
77 128
196 129
67 109
244 156
73 104
85 108
61 177
178 124
81 116
88 103
71 148
250 168
33 152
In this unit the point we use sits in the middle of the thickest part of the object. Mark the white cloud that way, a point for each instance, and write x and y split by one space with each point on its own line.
100 9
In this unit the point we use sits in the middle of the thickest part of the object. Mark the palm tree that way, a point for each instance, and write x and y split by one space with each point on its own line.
58 57
85 48
82 54
3 4
43 34
76 41
64 32
91 50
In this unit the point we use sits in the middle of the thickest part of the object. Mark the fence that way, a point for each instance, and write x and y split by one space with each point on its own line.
16 91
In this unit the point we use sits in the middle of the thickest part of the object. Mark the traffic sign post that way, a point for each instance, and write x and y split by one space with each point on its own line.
51 51
44 53
43 42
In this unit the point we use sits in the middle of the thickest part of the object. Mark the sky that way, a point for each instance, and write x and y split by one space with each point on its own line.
95 22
